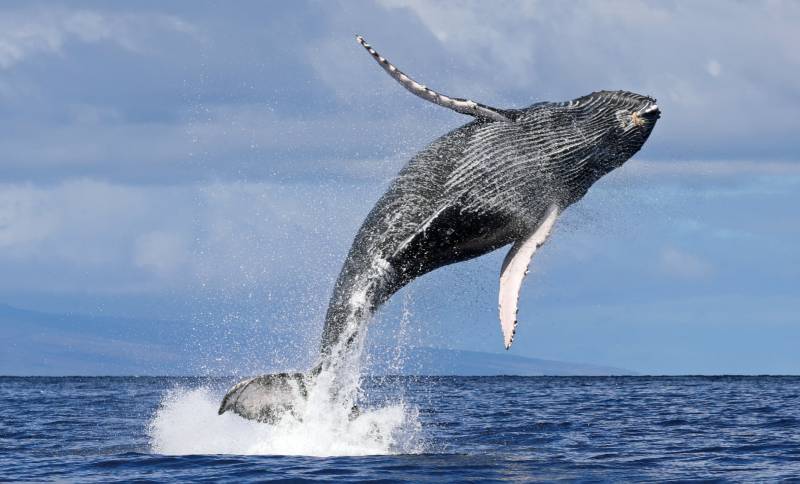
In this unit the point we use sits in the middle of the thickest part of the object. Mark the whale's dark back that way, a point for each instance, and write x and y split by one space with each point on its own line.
480 187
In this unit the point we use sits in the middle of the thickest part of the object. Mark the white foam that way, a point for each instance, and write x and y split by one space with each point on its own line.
187 423
320 424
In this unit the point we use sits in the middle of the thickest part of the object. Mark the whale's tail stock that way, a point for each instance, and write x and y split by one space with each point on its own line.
334 378
267 398
365 282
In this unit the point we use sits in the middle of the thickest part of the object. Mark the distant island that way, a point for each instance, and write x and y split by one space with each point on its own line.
438 361
37 343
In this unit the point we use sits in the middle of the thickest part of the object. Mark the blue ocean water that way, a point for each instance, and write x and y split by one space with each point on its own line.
420 429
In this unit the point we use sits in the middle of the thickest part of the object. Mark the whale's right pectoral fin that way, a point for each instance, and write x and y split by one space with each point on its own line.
463 106
266 398
515 268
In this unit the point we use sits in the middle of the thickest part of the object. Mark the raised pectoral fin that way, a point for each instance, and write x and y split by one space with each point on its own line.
515 268
463 106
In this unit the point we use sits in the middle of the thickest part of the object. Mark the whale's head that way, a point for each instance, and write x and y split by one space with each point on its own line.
629 118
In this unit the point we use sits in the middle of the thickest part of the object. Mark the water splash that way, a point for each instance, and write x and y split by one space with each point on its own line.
187 423
323 423
332 417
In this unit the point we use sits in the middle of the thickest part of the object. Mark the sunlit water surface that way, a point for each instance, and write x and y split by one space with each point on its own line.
450 428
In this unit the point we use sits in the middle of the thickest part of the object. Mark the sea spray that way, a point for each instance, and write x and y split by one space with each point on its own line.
187 423
328 422
332 416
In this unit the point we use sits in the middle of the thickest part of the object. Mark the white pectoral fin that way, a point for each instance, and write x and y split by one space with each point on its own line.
515 268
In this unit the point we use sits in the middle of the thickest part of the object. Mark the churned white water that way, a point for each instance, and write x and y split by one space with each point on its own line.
187 423
323 424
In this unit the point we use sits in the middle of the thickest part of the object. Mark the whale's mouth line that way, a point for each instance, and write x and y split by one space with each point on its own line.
649 109
650 112
646 115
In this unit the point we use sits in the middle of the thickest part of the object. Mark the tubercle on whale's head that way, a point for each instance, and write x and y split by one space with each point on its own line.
629 119
636 114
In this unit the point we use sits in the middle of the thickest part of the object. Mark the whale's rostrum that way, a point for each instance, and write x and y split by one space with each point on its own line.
501 179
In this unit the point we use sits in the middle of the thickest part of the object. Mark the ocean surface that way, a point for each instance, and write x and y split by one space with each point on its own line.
420 429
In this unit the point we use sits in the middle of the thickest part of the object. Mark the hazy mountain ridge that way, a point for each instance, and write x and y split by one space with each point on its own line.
439 361
66 344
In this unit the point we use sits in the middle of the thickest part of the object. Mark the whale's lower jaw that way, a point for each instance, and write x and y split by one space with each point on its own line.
267 398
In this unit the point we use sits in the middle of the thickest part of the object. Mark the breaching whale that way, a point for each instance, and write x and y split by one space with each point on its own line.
501 179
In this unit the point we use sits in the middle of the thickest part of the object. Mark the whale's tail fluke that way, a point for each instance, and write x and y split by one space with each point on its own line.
267 398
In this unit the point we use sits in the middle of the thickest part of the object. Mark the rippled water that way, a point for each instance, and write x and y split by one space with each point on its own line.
450 428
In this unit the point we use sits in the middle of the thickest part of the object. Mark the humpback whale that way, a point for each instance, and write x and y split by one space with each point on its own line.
501 179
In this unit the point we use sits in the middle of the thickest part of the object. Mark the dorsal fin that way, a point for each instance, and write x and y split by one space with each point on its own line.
463 106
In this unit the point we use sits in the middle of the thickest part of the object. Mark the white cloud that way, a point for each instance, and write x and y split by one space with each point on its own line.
85 235
184 117
24 221
81 233
481 31
552 51
108 237
26 33
655 39
247 140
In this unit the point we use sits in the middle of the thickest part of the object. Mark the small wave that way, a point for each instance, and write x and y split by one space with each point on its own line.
187 423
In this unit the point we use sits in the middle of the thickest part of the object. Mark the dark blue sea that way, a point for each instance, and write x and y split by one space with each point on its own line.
418 429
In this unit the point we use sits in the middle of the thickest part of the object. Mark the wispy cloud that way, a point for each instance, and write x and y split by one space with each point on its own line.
711 74
487 35
230 236
139 96
207 154
34 31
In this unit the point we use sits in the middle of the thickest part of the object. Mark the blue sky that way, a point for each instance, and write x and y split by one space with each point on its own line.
211 163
